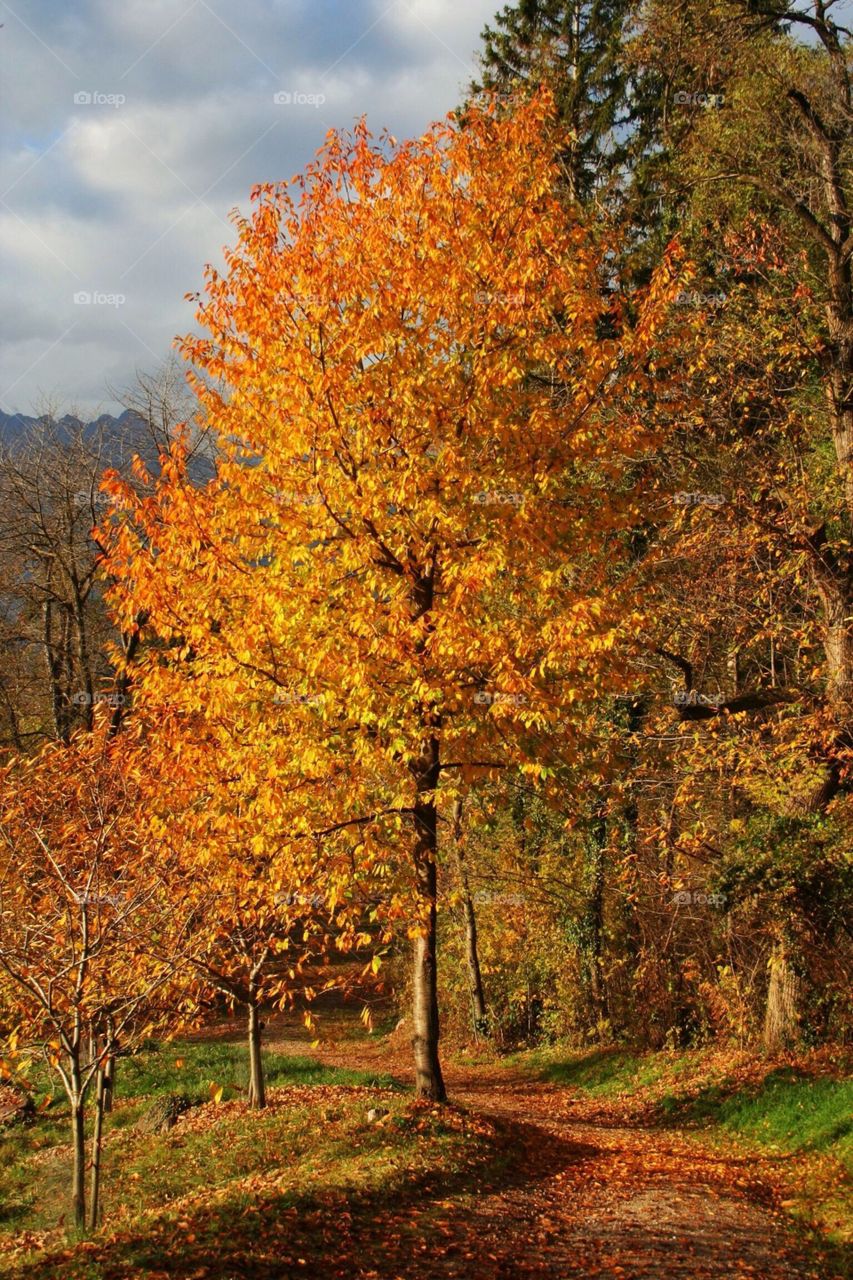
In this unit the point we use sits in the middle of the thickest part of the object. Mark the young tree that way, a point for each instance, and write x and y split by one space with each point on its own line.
261 924
421 426
90 924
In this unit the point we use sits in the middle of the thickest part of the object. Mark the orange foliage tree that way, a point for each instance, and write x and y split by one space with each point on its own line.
92 929
265 912
427 394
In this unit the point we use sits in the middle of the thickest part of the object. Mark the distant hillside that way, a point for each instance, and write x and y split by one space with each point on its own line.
119 436
13 425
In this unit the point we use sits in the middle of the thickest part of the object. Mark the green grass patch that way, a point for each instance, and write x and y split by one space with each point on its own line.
600 1073
35 1158
236 1189
191 1066
789 1110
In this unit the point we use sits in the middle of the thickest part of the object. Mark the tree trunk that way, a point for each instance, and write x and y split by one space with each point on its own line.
109 1082
836 597
781 1021
428 1078
426 772
595 914
257 1085
475 978
95 1184
84 662
78 1177
54 667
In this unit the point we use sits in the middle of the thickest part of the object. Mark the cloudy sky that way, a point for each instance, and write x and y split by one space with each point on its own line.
129 130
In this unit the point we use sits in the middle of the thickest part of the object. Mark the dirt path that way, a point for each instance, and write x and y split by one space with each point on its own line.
586 1198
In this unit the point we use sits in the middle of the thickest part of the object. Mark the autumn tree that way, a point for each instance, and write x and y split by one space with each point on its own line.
757 131
421 429
91 928
263 917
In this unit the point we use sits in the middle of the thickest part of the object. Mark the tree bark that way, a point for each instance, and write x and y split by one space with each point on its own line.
426 772
595 914
479 1012
84 662
835 590
257 1084
95 1183
781 1020
110 1065
78 1177
428 1078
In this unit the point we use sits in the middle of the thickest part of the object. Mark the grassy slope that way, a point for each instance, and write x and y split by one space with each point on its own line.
797 1112
222 1173
255 1184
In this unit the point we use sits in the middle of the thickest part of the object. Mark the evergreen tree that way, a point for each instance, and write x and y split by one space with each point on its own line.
575 47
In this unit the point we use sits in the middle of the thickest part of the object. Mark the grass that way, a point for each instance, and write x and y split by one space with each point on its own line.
601 1073
191 1067
789 1110
35 1158
227 1190
787 1107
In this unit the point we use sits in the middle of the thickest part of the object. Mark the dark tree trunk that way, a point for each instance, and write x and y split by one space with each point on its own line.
426 772
88 689
428 1078
78 1176
109 1082
472 957
595 914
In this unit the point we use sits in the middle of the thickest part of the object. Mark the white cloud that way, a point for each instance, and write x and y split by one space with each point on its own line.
105 198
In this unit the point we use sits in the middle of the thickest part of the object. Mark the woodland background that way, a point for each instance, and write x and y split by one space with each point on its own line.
682 876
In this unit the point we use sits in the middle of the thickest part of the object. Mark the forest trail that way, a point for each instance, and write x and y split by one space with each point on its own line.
582 1195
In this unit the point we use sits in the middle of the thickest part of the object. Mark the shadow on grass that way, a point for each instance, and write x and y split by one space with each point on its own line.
594 1071
789 1107
389 1230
